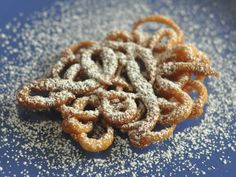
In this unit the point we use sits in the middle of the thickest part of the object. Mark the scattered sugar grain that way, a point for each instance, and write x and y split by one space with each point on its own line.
41 144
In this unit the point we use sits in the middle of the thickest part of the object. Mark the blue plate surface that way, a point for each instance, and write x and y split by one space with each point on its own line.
32 34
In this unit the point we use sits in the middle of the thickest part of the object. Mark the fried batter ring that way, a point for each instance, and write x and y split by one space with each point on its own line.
95 145
200 100
163 20
146 138
74 126
156 41
118 113
63 91
77 109
68 57
184 108
55 99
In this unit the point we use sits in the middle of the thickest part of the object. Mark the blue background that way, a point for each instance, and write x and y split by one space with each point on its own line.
12 8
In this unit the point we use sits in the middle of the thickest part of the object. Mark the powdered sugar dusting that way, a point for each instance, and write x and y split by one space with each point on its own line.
35 142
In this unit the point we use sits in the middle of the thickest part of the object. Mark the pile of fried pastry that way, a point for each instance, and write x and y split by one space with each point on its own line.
132 81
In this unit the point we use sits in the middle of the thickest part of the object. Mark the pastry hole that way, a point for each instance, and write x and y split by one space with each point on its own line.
44 94
142 109
81 76
193 77
97 59
128 90
164 40
122 109
151 27
122 50
142 67
159 127
89 107
140 64
125 76
111 87
63 70
137 102
193 94
97 131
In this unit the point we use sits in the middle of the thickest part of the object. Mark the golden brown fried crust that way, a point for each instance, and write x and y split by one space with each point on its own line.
133 81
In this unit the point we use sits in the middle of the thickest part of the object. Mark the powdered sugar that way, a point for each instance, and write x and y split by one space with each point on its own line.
41 146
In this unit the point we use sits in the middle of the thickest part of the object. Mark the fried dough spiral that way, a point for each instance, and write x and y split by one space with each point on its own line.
134 81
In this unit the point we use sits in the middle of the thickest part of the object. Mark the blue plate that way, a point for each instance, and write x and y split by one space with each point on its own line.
32 34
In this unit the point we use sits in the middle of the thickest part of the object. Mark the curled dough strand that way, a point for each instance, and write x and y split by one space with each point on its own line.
144 139
118 108
95 145
70 56
184 101
78 111
156 41
201 99
160 19
119 35
56 99
74 126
